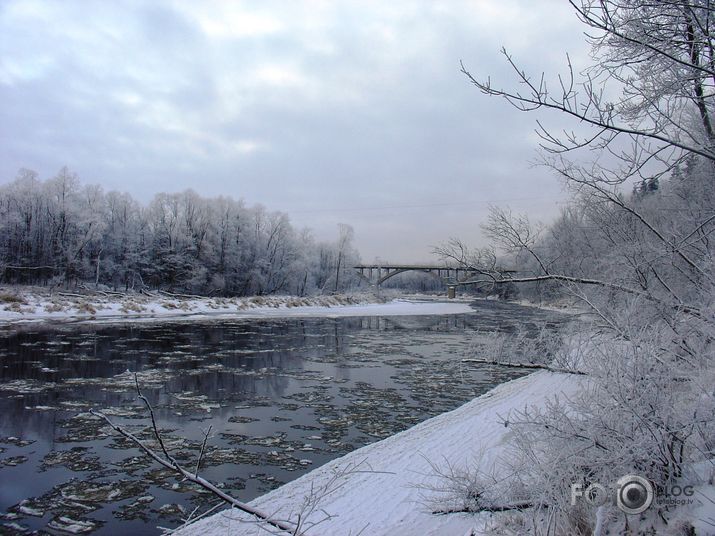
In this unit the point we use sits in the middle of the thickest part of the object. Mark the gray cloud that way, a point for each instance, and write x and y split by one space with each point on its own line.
334 112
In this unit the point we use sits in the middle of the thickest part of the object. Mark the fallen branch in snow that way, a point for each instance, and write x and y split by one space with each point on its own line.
523 365
72 295
14 267
468 489
311 514
149 293
495 508
183 296
101 292
168 461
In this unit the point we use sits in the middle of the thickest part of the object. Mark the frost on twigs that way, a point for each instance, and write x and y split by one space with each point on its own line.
644 407
450 489
544 347
635 247
635 415
308 513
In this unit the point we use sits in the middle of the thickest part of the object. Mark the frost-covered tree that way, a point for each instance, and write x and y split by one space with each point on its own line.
642 264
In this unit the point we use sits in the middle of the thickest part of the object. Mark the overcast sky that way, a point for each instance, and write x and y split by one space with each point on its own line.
332 111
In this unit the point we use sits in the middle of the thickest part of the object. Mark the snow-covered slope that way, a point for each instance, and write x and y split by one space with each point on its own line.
390 499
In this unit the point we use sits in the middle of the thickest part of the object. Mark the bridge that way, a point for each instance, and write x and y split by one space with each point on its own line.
377 274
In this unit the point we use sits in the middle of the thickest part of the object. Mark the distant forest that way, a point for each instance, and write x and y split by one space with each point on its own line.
60 232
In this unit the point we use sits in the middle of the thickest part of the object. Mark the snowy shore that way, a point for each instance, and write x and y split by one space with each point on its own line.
19 305
388 491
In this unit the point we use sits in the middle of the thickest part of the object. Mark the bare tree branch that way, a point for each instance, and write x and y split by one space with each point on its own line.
168 461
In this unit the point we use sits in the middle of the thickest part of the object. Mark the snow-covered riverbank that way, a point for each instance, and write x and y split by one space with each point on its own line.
385 486
393 487
18 305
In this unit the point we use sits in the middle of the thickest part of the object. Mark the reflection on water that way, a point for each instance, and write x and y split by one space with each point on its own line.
282 396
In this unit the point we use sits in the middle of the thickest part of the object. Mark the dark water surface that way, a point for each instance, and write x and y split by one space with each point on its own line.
282 396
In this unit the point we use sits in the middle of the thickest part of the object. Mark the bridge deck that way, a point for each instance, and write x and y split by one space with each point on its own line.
407 267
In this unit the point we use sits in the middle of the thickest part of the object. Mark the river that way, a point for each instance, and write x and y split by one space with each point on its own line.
281 397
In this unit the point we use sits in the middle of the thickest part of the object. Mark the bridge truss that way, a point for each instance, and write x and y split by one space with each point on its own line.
377 274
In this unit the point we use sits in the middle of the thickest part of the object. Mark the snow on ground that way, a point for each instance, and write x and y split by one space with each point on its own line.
25 306
391 498
563 306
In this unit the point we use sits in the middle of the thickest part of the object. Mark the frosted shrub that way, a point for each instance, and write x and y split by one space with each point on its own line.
644 409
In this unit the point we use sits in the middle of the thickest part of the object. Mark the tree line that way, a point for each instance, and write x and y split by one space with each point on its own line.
61 232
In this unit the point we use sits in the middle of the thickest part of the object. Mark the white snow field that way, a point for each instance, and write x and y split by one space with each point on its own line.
33 307
386 496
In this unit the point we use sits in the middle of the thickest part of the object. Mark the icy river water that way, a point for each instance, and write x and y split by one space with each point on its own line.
282 396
